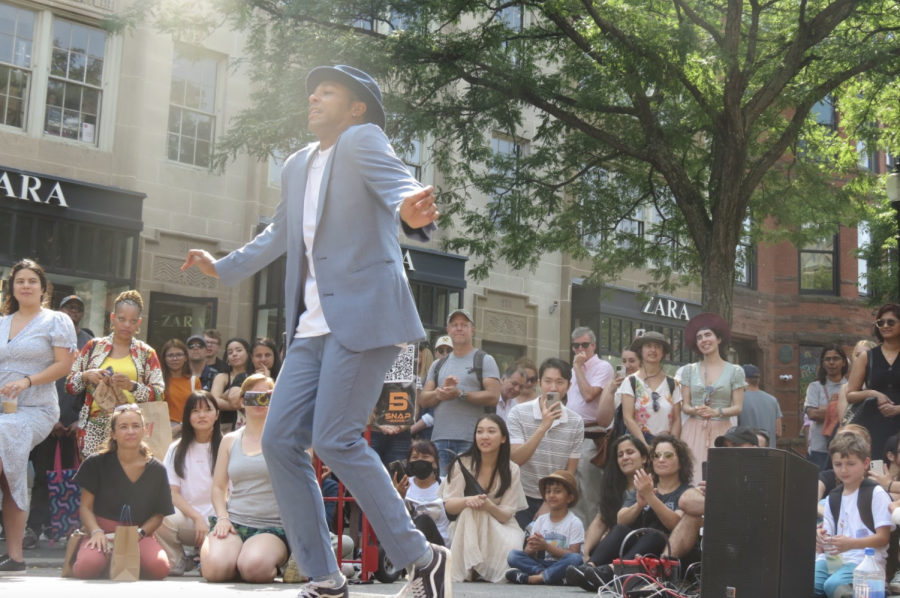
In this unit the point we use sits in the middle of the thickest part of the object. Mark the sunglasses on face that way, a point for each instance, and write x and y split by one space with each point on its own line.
707 396
196 346
255 398
576 346
654 396
531 380
127 407
442 350
885 322
665 455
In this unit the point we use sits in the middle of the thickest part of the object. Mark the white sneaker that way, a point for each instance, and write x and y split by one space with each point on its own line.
895 583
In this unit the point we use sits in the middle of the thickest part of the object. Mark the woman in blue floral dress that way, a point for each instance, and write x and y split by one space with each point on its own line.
37 347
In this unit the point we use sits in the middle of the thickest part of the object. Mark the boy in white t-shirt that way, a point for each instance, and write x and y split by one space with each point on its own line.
841 544
556 538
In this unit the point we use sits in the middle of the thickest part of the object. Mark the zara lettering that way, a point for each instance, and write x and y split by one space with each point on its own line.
32 188
667 308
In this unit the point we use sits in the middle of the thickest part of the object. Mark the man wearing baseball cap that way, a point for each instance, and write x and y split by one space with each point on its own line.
761 410
738 437
443 346
459 386
342 202
197 360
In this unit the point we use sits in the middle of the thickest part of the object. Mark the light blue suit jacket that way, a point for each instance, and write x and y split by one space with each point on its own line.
363 288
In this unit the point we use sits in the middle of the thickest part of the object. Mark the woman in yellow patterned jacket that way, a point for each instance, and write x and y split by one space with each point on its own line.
120 364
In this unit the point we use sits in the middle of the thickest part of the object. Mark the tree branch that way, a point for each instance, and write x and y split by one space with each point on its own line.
700 22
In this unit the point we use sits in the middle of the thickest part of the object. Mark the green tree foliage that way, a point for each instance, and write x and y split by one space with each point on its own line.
699 110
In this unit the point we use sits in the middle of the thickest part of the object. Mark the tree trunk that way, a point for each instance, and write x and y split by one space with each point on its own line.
717 268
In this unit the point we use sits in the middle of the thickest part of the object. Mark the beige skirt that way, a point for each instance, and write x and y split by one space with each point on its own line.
480 545
700 435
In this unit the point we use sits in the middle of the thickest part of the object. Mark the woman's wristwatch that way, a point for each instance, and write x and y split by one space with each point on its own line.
142 533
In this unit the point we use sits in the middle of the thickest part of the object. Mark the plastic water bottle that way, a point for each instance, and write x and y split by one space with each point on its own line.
868 578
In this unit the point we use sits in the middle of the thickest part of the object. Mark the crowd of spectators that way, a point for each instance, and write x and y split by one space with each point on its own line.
498 465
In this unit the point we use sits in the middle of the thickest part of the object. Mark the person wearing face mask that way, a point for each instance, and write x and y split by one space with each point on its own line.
420 490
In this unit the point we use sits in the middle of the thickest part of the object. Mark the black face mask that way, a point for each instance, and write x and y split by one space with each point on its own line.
421 469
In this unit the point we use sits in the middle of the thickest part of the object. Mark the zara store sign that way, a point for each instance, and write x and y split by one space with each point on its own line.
29 187
667 308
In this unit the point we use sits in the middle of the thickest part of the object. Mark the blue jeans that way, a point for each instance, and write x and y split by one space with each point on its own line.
323 400
391 447
820 459
447 451
827 583
553 572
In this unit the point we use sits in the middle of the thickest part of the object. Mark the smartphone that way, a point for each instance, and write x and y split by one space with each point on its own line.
639 332
255 398
703 468
620 369
877 465
552 399
110 371
397 471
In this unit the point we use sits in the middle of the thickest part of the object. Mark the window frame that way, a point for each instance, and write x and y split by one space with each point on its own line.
835 268
29 71
214 115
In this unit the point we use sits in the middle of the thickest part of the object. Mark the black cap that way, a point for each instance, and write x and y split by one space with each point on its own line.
71 298
738 435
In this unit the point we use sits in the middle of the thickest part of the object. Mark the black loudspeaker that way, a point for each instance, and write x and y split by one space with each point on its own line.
759 530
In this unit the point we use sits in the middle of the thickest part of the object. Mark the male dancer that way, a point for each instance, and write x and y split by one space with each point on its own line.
348 308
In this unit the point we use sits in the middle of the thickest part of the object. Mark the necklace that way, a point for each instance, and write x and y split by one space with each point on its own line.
130 464
252 438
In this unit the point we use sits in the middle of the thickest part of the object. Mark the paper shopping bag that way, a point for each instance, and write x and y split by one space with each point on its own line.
126 555
72 547
157 430
107 397
65 498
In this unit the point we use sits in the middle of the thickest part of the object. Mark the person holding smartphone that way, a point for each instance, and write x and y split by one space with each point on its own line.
545 436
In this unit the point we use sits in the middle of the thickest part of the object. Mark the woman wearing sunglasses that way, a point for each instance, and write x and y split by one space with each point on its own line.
712 389
654 504
651 401
246 537
879 384
122 480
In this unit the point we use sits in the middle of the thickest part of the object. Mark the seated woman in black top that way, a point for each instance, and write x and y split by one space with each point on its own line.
123 474
654 505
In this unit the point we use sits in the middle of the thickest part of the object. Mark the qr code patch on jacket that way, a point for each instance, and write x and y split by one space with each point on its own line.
404 368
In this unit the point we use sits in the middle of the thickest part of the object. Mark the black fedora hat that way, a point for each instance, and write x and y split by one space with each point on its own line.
360 83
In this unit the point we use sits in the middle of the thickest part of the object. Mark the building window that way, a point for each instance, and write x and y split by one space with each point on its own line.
74 91
823 112
176 316
513 17
413 159
268 319
504 149
192 104
16 38
867 160
863 240
818 267
744 259
276 163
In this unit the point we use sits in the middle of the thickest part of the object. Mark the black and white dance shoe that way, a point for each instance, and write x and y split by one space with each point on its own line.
325 589
9 567
432 580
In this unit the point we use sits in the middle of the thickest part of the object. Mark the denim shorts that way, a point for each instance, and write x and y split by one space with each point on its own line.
245 532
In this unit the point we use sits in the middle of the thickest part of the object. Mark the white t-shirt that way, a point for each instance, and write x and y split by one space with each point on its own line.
650 421
850 523
312 321
196 488
562 534
426 500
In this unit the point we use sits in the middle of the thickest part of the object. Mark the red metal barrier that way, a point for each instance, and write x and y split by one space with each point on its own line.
368 542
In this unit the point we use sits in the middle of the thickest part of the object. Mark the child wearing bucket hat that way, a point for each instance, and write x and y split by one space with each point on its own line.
556 539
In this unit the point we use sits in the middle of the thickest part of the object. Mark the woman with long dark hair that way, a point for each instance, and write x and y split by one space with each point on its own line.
265 357
119 360
419 488
485 529
178 381
881 381
123 474
37 348
226 386
654 505
190 463
822 401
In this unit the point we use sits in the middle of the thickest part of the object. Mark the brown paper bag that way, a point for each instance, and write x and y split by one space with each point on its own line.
126 555
157 430
107 396
72 547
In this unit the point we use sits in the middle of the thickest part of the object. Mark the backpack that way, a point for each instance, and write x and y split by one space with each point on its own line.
477 369
863 503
